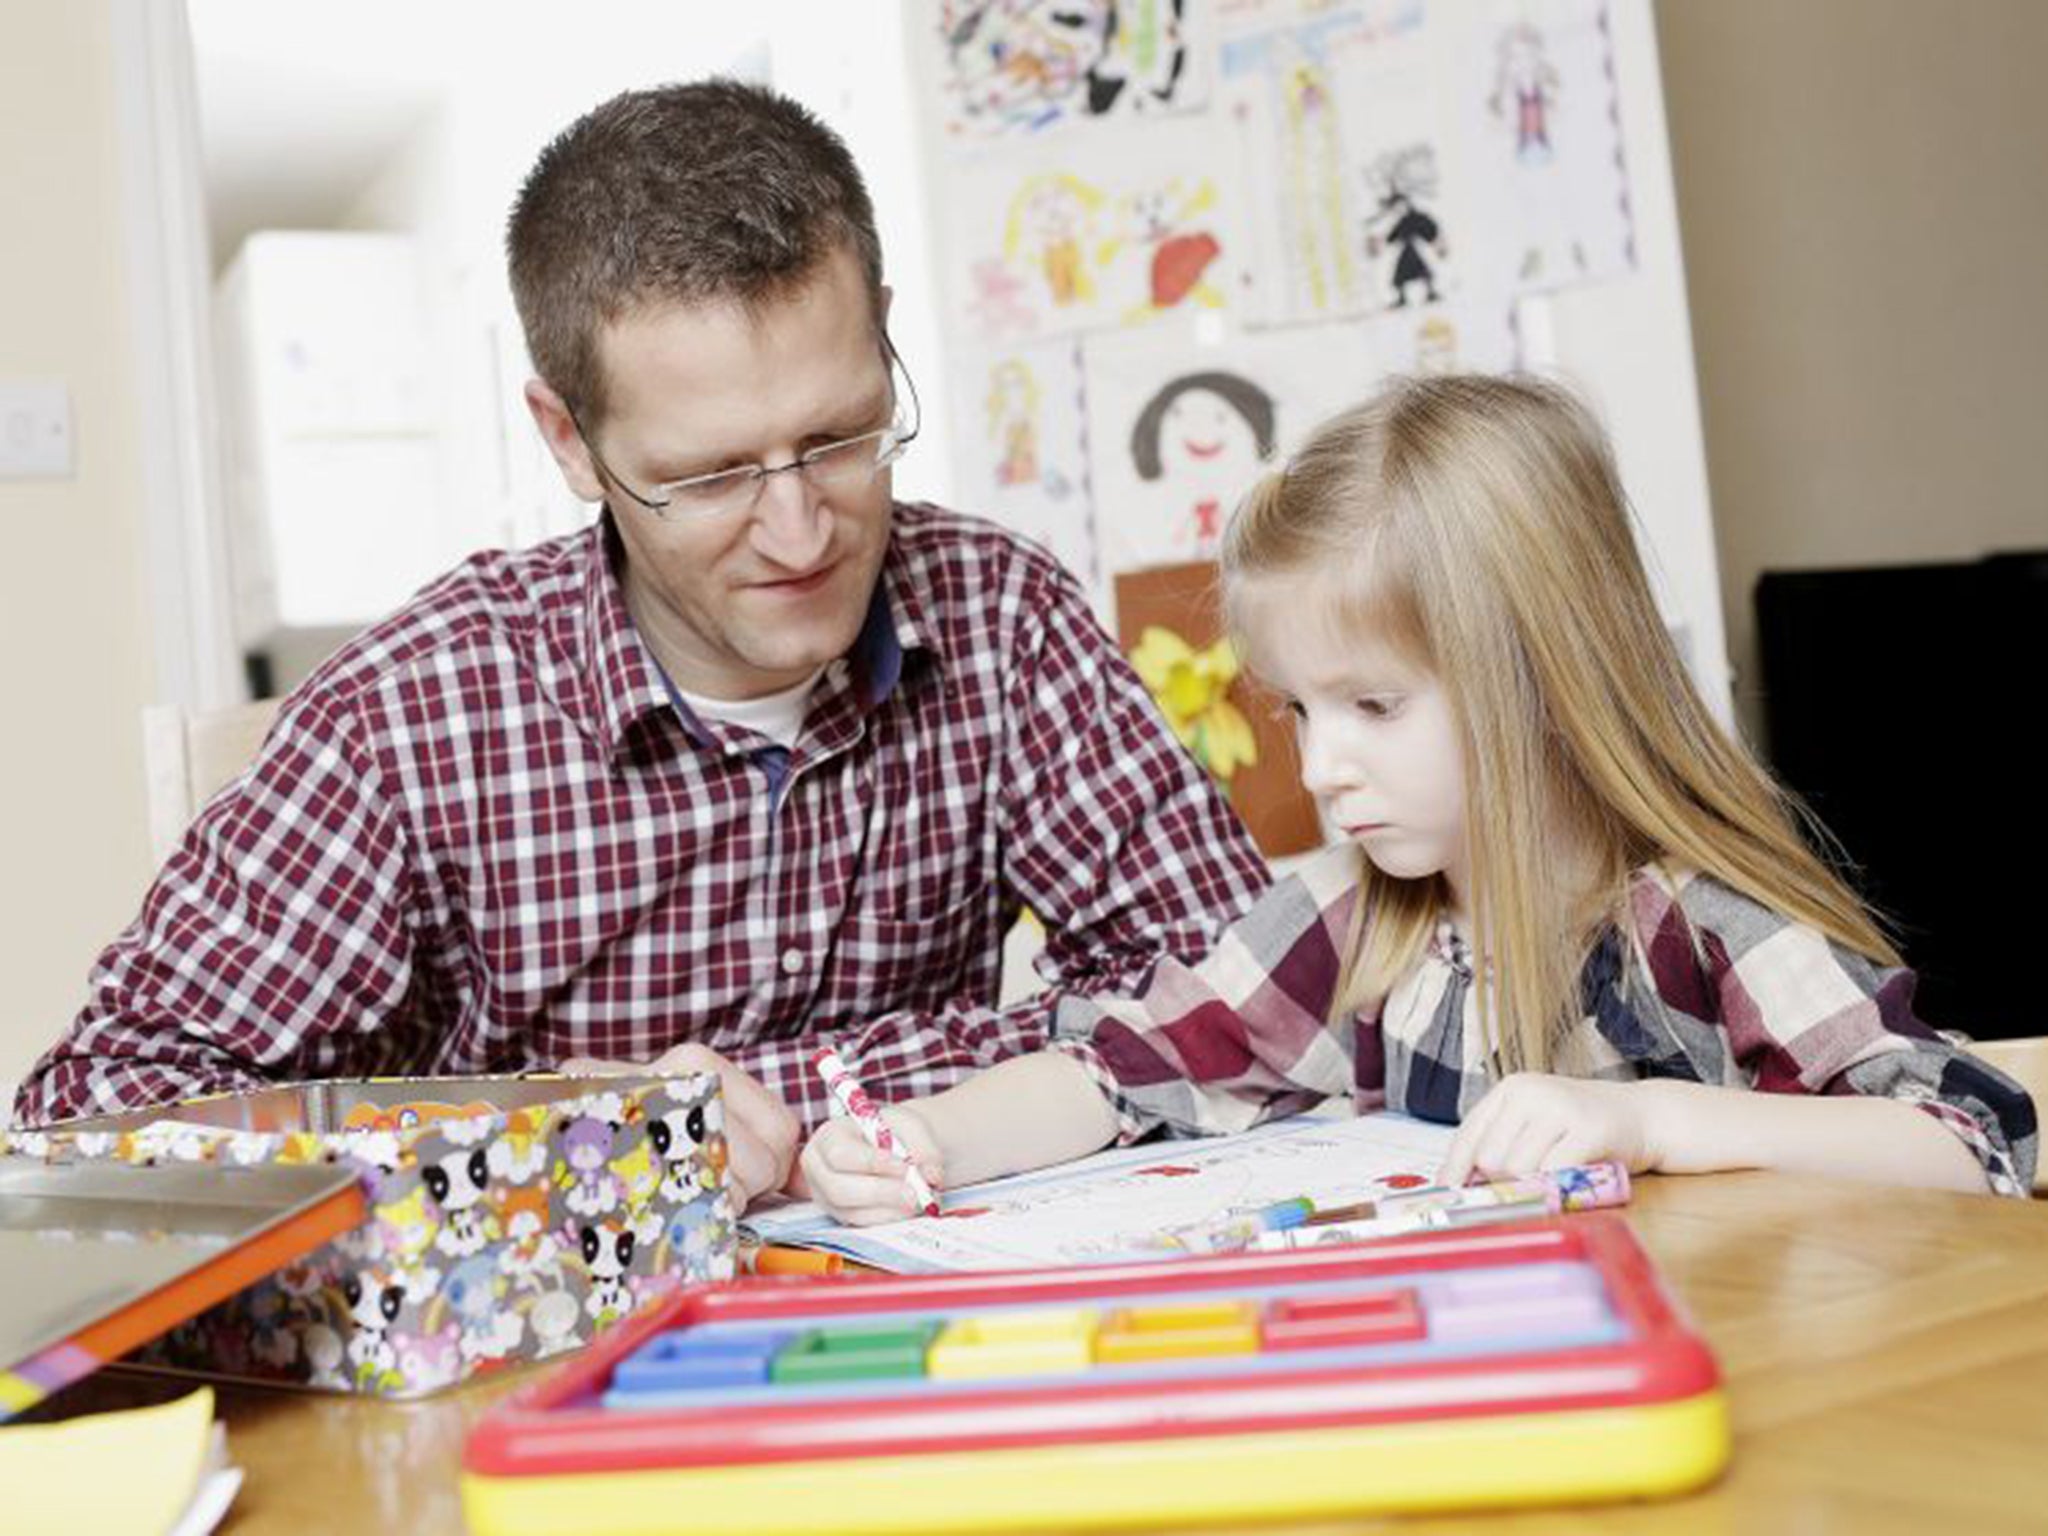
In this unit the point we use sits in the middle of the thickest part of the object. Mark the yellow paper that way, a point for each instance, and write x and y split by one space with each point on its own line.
130 1473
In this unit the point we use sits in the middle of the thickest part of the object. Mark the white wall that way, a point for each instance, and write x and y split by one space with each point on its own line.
76 663
1864 185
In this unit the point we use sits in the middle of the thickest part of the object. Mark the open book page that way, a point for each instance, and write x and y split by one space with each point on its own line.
1148 1201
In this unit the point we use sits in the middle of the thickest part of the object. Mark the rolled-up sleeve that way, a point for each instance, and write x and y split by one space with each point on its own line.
1804 1015
1245 1035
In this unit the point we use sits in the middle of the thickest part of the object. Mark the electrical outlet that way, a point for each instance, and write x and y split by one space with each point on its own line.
35 429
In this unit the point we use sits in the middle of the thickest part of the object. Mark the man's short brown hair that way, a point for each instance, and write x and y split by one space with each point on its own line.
709 192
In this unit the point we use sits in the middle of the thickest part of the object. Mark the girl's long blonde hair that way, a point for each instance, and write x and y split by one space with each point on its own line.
1477 524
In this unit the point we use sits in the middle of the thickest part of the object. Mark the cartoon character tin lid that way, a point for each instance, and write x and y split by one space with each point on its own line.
100 1257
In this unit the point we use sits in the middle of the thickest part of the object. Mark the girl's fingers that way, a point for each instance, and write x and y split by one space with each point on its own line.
840 1149
1532 1147
858 1199
1568 1152
1497 1140
849 1193
859 1184
1458 1158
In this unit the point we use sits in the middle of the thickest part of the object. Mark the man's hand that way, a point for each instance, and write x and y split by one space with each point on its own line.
861 1185
1532 1122
761 1131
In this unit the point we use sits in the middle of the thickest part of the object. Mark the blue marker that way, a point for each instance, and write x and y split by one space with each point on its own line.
1233 1232
1283 1215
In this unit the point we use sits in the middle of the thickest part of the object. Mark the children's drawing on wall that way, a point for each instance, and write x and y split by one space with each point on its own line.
1203 437
1403 238
1056 237
1381 98
1026 467
1284 98
1043 245
1167 220
1277 95
1169 625
1475 333
1524 89
1012 422
1540 113
1179 431
1144 63
1012 68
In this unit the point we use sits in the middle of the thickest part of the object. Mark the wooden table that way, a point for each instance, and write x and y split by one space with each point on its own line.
1886 1354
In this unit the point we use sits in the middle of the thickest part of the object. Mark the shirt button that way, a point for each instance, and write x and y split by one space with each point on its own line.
792 961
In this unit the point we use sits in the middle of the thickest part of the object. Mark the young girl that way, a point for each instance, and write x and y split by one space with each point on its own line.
1569 913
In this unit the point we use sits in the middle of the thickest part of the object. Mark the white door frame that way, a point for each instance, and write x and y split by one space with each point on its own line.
170 291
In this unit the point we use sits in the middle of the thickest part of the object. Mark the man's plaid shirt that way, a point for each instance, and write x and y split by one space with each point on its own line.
484 838
1698 982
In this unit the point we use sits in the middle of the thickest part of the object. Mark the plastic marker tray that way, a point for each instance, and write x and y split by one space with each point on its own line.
1535 1364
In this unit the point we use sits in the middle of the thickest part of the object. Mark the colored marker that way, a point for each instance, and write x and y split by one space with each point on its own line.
1581 1188
1591 1186
1326 1215
1472 1197
1434 1218
847 1092
774 1259
1283 1214
1241 1231
1585 1187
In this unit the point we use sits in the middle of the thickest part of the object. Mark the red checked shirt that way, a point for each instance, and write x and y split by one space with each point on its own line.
485 837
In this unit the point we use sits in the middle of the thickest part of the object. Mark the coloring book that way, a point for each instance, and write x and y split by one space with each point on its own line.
1147 1201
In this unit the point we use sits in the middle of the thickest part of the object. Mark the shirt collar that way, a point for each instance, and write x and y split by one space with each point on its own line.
897 621
624 683
627 684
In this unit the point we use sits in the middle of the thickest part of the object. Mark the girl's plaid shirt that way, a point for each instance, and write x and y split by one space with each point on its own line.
1701 983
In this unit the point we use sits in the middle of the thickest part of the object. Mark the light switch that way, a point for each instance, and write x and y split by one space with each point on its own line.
35 429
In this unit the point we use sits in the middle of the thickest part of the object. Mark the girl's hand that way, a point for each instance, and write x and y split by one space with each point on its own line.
861 1185
1532 1122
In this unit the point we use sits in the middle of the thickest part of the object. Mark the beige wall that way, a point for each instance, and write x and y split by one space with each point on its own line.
1863 200
75 663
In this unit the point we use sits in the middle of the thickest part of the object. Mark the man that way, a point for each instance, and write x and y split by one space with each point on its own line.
759 760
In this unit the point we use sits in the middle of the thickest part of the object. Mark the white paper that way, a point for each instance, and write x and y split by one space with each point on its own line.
1134 1203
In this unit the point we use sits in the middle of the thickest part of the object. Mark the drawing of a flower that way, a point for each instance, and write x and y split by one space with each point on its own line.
1190 687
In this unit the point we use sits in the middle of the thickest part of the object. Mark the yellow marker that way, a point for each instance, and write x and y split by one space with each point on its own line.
1015 1344
1171 1333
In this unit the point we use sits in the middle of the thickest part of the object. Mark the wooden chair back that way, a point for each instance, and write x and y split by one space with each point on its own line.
188 755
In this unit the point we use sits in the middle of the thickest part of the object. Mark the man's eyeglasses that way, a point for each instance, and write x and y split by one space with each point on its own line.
845 465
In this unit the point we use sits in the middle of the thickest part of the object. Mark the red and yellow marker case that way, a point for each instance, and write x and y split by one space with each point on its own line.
1640 1417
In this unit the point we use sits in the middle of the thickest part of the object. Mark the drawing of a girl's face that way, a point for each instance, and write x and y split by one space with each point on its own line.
1204 436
